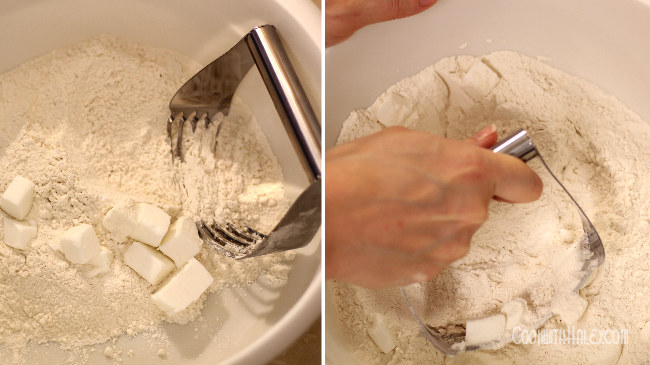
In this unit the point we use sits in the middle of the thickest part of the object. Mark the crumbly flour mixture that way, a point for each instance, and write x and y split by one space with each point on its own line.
595 146
87 125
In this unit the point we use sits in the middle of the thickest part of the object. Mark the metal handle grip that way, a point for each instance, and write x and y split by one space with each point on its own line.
517 144
288 97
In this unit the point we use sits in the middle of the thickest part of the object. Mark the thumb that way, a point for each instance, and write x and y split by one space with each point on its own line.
486 137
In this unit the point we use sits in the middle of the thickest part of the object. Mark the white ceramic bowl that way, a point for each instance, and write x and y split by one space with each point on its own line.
605 42
202 30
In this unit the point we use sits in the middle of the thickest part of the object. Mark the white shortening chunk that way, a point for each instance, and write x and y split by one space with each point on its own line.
569 306
152 265
121 220
183 288
485 330
80 244
514 311
182 241
18 234
479 81
381 335
151 226
102 262
17 199
104 258
397 110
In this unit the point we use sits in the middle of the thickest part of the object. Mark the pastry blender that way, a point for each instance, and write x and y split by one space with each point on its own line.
210 92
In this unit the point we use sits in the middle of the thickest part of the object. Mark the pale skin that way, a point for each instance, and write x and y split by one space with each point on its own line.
344 17
401 205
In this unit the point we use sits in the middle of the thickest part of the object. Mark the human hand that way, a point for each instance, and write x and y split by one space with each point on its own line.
344 17
400 205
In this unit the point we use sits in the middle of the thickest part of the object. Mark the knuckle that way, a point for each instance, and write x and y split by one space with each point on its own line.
475 166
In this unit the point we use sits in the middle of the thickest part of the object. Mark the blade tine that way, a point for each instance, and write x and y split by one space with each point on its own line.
169 126
253 232
175 129
208 236
234 231
203 117
170 121
179 139
194 122
216 138
204 229
227 236
222 237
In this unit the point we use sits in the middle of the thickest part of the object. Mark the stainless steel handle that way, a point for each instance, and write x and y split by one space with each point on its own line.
517 144
288 97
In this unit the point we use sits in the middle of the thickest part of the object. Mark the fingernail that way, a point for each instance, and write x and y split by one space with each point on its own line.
427 2
485 132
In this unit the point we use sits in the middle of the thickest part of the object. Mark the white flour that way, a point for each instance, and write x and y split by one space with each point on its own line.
595 146
87 124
